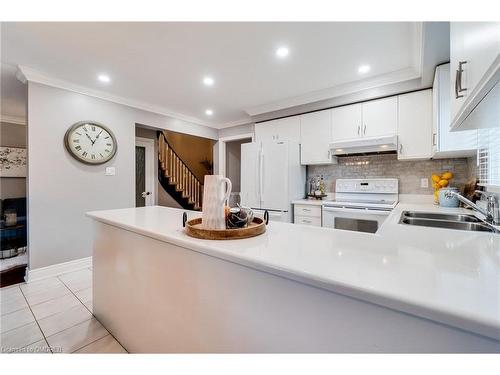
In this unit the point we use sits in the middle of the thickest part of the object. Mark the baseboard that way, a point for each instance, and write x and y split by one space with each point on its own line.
57 269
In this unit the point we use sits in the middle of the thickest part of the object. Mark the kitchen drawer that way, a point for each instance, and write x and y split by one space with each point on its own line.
308 220
307 210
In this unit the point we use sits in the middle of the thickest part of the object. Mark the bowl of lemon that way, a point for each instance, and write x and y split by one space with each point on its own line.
439 182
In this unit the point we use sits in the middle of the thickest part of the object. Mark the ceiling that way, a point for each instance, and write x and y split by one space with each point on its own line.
162 64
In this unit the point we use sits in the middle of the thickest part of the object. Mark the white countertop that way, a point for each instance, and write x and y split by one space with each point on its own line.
444 275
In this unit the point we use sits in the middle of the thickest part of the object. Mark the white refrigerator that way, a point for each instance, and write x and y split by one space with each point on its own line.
271 178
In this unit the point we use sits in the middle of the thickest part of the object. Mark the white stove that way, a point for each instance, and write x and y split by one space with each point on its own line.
361 204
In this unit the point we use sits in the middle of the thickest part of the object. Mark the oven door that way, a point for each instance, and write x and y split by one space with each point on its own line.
355 219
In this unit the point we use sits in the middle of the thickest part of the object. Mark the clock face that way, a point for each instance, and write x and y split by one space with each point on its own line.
90 142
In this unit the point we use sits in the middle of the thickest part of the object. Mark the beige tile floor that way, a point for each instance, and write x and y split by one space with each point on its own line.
53 316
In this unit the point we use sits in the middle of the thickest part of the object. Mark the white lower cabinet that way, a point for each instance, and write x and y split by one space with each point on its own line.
415 125
307 214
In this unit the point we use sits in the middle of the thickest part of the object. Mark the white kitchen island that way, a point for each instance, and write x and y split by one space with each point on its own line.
296 288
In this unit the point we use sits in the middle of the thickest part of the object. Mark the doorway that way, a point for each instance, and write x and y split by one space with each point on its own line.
230 162
144 172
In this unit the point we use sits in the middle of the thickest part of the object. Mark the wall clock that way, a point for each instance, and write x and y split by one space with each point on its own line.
90 142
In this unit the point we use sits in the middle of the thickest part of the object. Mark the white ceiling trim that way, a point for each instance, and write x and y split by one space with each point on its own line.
340 90
245 121
13 119
25 74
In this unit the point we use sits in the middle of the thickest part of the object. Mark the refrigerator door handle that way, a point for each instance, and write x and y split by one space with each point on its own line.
261 179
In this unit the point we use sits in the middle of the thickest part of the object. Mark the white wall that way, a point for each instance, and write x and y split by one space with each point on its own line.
233 162
61 189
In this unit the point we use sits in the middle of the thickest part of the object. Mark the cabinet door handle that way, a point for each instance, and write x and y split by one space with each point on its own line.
434 143
456 86
306 209
400 148
460 72
306 221
359 128
364 130
458 80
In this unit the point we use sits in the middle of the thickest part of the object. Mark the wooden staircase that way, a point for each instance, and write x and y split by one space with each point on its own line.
176 177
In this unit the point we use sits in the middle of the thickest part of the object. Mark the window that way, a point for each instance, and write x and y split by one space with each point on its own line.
488 156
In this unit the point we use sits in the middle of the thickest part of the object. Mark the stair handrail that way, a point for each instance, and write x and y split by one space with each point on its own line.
162 134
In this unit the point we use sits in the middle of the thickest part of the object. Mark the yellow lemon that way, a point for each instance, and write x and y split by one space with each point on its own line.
436 196
443 183
447 176
435 178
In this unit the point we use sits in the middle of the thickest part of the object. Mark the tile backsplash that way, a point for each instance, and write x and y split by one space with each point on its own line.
409 173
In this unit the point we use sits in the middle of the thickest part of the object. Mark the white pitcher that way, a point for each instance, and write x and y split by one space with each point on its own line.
215 193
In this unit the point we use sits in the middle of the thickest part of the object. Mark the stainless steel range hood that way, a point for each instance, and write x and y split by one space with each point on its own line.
372 145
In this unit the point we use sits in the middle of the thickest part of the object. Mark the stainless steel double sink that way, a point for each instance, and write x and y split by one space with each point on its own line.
447 221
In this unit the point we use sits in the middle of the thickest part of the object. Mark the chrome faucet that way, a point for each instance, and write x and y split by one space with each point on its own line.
491 213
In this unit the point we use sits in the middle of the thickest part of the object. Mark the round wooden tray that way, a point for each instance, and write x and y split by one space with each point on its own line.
194 229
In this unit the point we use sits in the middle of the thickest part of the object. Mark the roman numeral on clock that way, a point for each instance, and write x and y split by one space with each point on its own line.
84 154
78 148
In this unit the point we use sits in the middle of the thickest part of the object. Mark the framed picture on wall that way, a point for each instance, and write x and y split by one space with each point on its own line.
12 162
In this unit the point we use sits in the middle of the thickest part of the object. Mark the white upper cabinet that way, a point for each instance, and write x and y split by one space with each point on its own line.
474 57
285 129
415 125
380 117
346 122
315 137
445 142
369 119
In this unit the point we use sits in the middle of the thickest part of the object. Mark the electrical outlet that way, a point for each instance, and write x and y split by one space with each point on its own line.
110 171
424 183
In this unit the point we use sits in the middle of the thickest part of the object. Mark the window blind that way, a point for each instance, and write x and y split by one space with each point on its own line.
488 156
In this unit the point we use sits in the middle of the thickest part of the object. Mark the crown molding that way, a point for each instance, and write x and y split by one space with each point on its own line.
25 74
230 124
13 119
336 91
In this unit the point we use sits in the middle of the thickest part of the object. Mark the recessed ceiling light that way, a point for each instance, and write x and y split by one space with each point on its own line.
104 78
209 112
208 81
384 146
364 69
282 52
339 150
